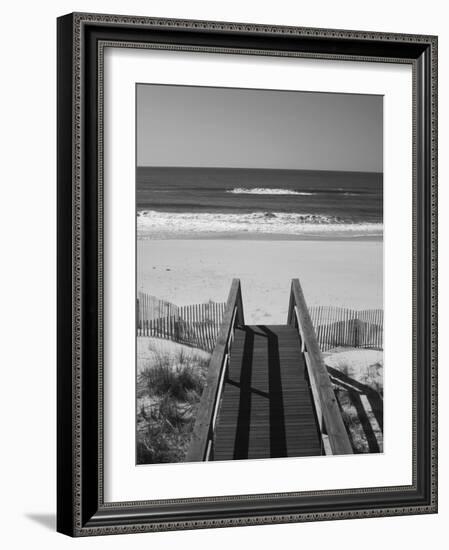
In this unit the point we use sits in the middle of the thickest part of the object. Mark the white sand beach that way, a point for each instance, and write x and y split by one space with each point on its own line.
346 273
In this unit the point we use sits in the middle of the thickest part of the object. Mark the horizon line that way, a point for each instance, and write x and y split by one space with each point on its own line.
259 168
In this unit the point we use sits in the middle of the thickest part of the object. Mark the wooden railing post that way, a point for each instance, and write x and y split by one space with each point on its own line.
240 319
326 406
203 429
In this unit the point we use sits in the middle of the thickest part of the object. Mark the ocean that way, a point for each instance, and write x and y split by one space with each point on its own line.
257 203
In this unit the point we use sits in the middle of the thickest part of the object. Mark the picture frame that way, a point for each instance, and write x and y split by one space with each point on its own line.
81 507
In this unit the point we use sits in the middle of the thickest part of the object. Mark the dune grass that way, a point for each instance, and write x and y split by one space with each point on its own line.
169 389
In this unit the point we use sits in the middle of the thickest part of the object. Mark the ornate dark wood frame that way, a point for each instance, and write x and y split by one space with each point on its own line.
81 40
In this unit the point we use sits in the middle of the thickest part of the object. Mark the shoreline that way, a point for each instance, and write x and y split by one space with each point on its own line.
238 236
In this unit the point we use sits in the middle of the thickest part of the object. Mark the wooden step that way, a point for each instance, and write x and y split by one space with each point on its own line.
266 409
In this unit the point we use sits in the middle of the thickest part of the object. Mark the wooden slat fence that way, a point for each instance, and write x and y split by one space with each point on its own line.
150 308
336 326
194 325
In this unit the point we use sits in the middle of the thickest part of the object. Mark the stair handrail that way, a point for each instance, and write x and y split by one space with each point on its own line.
201 445
327 410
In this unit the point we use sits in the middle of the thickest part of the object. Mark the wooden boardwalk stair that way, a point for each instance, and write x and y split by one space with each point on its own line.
266 408
268 393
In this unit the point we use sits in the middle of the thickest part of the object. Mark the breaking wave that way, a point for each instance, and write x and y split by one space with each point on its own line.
266 191
154 224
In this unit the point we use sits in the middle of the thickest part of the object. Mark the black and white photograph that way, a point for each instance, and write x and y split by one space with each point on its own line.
259 274
247 275
222 283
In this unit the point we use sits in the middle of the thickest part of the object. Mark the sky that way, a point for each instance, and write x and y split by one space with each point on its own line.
243 128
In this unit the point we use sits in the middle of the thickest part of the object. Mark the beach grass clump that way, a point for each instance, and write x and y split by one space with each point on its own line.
177 376
169 389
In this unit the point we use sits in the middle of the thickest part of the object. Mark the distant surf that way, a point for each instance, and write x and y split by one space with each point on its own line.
257 203
266 191
155 224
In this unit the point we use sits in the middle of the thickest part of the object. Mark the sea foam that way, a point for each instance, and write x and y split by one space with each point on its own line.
266 191
153 224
